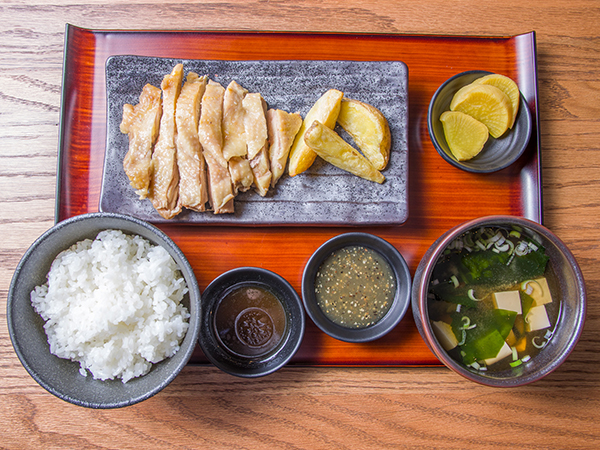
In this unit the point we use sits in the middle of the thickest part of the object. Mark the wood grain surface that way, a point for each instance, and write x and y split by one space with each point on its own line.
307 407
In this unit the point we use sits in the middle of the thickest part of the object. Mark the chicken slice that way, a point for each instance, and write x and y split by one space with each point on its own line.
141 123
164 191
255 123
262 173
282 129
193 193
220 190
234 136
241 173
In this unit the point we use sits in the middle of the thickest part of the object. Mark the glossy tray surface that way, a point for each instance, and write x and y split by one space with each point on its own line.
324 194
439 195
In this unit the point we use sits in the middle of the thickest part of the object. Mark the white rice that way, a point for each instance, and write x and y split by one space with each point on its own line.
113 305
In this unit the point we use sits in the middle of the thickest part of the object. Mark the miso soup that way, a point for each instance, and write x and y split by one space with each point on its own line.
493 301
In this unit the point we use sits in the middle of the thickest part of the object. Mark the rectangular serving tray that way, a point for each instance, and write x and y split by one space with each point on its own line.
439 195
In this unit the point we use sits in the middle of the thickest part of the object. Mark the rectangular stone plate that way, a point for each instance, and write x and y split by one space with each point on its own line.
323 195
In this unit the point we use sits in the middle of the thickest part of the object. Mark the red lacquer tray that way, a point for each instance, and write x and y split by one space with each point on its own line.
440 196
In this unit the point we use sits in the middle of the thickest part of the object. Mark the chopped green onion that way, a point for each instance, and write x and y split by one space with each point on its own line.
512 247
495 238
522 248
536 345
526 358
468 240
525 286
515 355
510 259
516 363
467 324
471 295
454 280
463 340
501 248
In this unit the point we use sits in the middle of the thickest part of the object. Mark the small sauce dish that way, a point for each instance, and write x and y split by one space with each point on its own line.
356 287
252 322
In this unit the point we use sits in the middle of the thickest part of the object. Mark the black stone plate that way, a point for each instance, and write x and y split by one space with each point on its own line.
324 194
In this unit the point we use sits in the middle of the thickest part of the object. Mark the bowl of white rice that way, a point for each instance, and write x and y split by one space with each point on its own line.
104 310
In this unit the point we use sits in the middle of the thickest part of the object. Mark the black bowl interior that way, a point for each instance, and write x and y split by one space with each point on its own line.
401 299
497 153
278 357
59 376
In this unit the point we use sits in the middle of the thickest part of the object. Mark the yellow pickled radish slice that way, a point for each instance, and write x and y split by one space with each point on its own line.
488 104
465 135
506 85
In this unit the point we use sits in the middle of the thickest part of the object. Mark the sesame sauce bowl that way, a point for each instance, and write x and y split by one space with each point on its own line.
356 287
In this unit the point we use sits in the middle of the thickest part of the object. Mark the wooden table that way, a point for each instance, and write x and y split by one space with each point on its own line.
308 407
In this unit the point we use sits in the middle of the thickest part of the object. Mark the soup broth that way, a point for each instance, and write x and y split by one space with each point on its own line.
493 300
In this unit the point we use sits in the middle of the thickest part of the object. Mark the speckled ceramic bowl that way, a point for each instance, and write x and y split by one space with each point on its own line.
400 302
59 376
570 291
497 154
266 358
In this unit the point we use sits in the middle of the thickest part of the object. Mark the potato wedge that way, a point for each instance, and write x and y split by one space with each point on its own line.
332 148
369 129
325 110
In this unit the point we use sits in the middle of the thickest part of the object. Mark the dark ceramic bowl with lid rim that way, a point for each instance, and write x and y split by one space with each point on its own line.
569 292
252 322
389 258
497 154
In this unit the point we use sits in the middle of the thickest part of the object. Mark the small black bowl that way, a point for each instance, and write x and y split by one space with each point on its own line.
401 299
497 154
258 363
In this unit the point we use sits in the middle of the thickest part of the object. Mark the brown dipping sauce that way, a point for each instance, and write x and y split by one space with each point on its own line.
250 320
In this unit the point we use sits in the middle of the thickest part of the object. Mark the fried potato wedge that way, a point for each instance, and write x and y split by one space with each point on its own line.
325 110
369 129
332 148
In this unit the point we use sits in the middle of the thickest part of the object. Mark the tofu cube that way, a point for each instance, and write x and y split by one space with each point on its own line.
444 334
537 319
509 300
540 292
503 353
